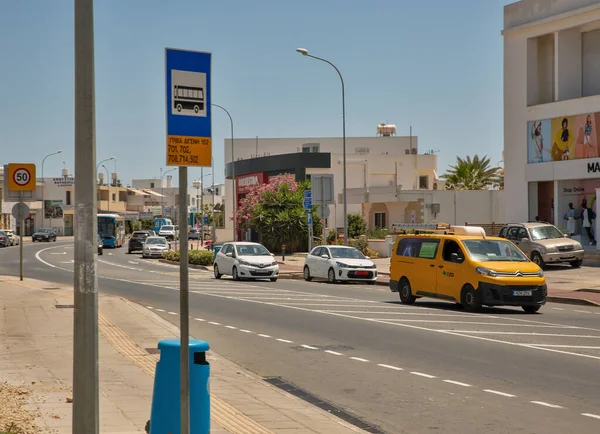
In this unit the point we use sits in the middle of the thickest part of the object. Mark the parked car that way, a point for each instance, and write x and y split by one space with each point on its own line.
243 260
4 240
137 240
544 243
194 234
339 263
44 235
155 247
169 232
14 239
100 243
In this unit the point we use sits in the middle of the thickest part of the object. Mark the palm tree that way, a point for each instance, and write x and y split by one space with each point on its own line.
471 174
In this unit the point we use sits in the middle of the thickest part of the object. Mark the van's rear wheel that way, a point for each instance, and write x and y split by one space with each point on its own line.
406 295
468 299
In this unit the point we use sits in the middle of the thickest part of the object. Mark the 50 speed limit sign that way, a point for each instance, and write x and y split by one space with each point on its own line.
21 177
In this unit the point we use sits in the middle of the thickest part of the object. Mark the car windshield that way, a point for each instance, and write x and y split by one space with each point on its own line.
545 233
167 228
252 250
494 251
44 231
158 241
140 234
348 253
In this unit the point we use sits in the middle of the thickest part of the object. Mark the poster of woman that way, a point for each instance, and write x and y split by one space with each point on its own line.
587 136
539 140
563 140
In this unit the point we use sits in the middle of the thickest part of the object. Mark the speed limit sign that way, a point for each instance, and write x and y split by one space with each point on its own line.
21 177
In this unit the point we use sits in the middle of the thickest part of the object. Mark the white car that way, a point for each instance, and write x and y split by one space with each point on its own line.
339 263
154 247
170 232
246 261
14 239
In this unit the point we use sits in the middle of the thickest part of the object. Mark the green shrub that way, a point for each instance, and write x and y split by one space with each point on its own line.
371 253
356 225
377 234
172 255
201 257
360 244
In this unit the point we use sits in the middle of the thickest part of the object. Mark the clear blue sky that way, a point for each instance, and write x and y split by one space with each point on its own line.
435 65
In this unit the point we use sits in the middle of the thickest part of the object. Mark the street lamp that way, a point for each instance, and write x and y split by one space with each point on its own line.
108 202
104 161
162 199
304 52
234 195
44 186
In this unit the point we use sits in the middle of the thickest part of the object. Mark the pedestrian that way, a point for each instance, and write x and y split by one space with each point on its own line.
588 216
570 216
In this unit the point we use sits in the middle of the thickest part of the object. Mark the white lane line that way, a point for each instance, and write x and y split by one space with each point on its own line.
396 320
214 323
508 395
133 262
579 347
200 319
246 331
160 310
583 311
420 374
358 359
231 327
264 336
285 341
149 307
60 253
556 335
335 353
458 383
558 308
395 368
595 416
308 347
546 404
172 313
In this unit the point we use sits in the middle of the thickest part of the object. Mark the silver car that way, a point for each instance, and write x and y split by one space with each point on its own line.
155 247
544 243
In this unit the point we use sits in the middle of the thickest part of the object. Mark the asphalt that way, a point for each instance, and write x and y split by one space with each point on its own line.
425 368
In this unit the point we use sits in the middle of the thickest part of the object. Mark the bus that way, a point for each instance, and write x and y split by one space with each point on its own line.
111 228
160 222
188 98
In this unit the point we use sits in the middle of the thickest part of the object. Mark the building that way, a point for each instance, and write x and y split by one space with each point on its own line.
551 107
382 161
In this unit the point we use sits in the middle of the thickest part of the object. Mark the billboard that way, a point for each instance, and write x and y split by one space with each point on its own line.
53 209
563 138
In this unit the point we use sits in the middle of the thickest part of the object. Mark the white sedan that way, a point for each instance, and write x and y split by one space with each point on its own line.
243 260
155 247
339 263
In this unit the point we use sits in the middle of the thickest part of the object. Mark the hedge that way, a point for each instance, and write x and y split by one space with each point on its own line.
196 257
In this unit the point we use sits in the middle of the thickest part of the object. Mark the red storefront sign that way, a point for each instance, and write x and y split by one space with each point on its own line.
245 182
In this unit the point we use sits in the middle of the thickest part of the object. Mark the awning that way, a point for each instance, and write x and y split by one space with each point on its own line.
153 193
137 192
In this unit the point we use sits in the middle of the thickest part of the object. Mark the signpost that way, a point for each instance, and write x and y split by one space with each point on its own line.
308 207
189 143
21 178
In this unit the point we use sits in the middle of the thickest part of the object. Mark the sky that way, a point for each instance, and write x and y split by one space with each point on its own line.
434 65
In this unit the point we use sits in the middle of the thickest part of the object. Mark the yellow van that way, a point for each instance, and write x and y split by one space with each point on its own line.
462 265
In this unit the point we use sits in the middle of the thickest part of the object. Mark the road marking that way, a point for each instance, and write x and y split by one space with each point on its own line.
172 313
61 253
583 311
395 368
200 319
580 347
119 265
595 416
246 331
160 310
133 262
458 383
309 347
556 335
264 336
508 395
231 327
149 307
109 254
558 308
335 353
68 262
285 341
395 320
358 359
420 374
546 404
214 323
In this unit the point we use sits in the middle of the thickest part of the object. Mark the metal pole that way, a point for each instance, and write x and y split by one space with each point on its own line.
85 324
202 205
234 195
184 307
108 186
21 229
43 188
213 232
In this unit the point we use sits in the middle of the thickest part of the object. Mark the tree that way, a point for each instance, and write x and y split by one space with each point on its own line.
471 174
276 212
356 225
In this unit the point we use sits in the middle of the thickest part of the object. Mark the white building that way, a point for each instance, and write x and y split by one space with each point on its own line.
374 162
551 107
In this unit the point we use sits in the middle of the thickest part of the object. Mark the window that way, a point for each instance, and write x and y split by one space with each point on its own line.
522 233
424 182
310 147
380 220
450 247
317 251
408 247
429 249
503 232
512 233
151 185
114 197
68 198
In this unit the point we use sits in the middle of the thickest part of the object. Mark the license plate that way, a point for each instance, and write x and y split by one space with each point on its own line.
521 293
362 273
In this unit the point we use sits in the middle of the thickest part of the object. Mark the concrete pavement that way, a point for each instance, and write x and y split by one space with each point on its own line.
36 320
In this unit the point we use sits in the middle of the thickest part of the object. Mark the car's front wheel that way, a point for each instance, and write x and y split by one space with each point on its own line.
217 273
234 274
537 259
331 276
577 263
307 275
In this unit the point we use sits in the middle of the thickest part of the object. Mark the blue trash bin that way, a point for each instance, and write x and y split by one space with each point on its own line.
165 414
216 248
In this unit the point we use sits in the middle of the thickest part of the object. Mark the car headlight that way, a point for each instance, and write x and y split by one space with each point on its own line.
578 246
341 264
486 272
244 262
540 273
551 249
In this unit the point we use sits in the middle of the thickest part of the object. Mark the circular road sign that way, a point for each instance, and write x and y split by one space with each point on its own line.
24 210
22 177
323 211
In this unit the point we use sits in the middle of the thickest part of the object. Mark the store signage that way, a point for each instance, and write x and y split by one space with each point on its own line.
245 183
594 167
65 181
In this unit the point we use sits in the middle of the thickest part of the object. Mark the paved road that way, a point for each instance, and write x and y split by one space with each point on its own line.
417 369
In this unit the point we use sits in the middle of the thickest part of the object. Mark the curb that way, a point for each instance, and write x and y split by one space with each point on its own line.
197 267
570 300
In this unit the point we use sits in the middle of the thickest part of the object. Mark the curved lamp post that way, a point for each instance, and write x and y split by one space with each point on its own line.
232 174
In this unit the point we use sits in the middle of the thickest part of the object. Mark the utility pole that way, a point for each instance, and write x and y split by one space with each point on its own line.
202 206
85 324
184 310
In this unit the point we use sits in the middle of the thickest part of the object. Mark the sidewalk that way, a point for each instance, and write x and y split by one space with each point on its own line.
36 320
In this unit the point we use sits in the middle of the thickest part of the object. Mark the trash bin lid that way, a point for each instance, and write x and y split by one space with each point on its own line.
195 345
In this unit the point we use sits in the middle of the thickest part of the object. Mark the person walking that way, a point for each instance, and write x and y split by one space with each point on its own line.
570 216
587 216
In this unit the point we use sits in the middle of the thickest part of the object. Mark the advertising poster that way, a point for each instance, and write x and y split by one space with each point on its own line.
53 209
